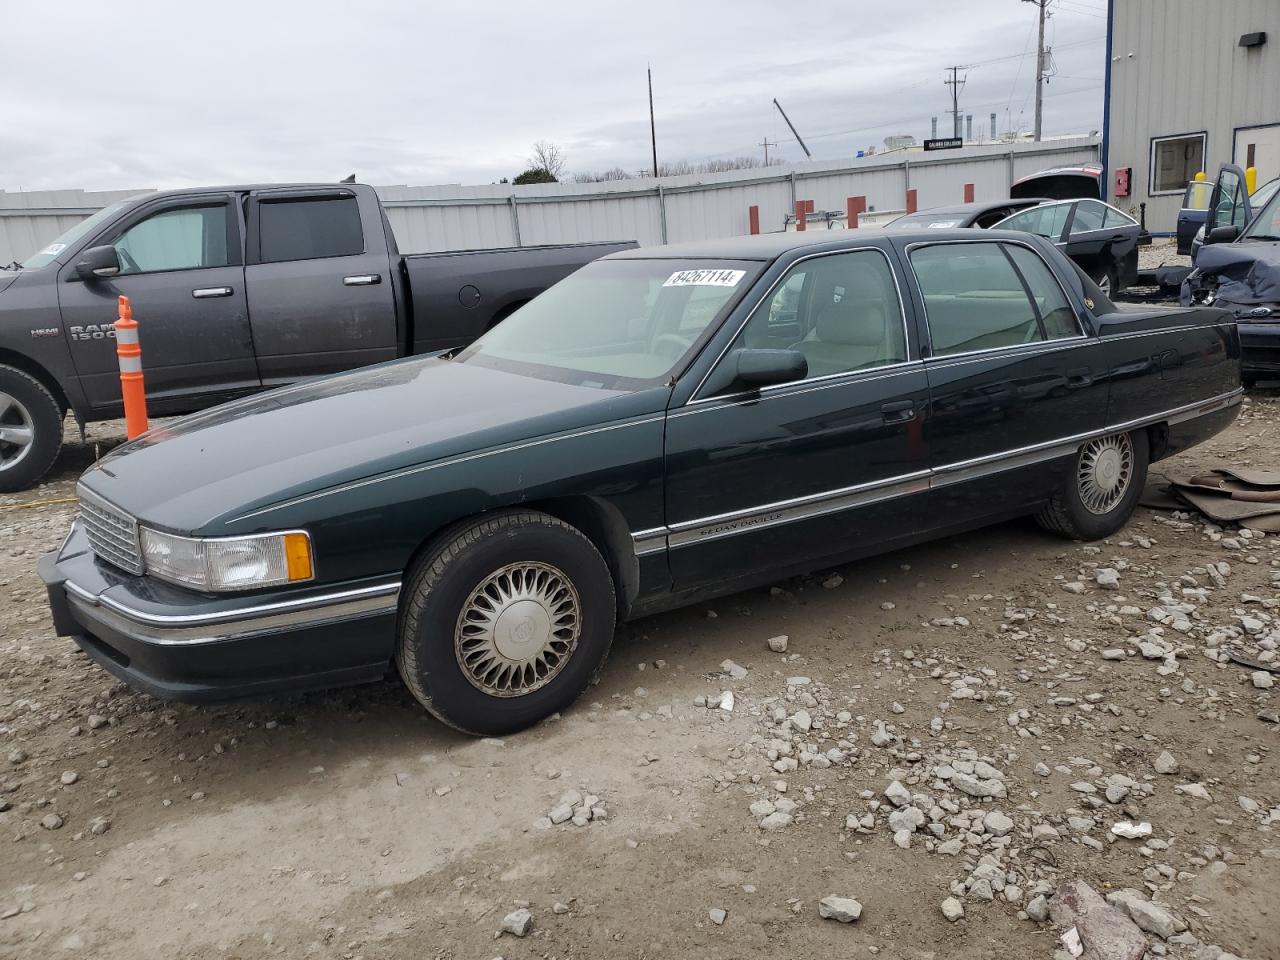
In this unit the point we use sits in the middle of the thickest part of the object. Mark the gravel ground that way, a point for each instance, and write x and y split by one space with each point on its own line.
929 766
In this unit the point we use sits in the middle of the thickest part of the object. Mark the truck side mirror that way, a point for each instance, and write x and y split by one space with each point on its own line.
98 263
1224 234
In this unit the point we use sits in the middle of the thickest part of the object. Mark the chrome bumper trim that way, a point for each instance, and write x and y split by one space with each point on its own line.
185 629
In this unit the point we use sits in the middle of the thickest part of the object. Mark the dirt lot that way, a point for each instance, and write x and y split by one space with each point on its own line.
971 670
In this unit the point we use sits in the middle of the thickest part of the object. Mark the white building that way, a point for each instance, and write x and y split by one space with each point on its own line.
1190 85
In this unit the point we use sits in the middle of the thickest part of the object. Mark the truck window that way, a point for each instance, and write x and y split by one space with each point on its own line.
185 239
309 229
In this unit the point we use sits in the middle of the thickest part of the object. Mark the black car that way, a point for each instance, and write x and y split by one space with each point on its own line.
1238 269
1098 237
666 425
980 215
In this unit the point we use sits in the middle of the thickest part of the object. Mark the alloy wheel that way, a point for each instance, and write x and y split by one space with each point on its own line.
17 432
518 629
1104 471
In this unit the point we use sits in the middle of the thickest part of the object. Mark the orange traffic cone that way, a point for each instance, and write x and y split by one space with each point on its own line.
129 353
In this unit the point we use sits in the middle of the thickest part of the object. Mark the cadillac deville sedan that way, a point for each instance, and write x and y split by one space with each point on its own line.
666 425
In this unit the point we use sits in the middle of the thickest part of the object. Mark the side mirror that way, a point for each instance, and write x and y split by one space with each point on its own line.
98 263
1222 234
761 368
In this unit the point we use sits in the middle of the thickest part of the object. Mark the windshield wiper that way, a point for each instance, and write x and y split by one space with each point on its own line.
1261 236
13 266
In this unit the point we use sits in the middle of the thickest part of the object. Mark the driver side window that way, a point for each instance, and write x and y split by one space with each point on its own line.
188 238
841 311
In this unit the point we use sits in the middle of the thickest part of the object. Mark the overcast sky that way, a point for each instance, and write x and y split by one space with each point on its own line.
135 93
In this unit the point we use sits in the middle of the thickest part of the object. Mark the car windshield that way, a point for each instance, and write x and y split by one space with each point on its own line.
620 324
1266 222
937 221
70 237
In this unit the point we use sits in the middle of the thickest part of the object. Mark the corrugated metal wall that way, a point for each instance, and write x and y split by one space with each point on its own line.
671 209
1177 68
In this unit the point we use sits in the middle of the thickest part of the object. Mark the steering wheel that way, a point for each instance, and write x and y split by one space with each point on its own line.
130 265
677 343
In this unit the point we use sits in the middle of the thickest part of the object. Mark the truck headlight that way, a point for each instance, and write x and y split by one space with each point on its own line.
228 563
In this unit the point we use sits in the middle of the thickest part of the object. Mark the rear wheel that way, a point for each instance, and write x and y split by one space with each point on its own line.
1102 491
30 429
506 620
1108 282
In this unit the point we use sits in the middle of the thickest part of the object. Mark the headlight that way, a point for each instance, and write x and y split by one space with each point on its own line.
229 563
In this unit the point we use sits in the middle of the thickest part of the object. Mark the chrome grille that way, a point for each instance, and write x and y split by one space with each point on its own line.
112 533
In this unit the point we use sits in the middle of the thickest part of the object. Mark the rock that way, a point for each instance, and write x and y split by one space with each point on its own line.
762 808
52 821
952 909
1107 578
96 722
1149 916
734 670
776 821
981 890
725 702
1262 679
1073 586
949 848
997 823
897 794
778 644
517 922
1038 908
902 839
718 916
1166 763
833 581
1196 790
909 819
99 825
559 908
69 777
561 813
17 756
1113 653
1106 932
843 909
802 721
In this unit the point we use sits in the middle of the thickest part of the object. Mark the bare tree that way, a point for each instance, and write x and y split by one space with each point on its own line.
547 156
614 173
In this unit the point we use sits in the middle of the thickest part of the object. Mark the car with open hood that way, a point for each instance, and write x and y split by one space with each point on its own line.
666 425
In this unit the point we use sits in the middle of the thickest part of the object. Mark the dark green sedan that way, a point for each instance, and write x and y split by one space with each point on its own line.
665 425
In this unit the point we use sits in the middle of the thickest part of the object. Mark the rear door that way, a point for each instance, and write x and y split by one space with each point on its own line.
1013 373
319 291
182 270
1104 242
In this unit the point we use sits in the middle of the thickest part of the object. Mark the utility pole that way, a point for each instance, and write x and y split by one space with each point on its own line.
1042 4
653 131
766 143
956 85
793 128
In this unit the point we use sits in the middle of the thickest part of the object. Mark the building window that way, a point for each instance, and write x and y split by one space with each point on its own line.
1174 161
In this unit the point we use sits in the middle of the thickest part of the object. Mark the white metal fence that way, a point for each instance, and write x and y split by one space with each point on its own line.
665 210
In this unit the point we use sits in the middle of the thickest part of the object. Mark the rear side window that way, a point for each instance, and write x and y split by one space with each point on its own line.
309 229
1046 221
1090 216
982 296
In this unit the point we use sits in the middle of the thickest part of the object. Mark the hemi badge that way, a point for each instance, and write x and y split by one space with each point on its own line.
42 332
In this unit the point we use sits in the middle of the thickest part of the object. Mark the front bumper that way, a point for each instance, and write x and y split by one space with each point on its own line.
178 645
1260 346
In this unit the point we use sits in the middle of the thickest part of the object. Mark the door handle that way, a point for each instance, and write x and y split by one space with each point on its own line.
362 280
205 293
900 411
1080 377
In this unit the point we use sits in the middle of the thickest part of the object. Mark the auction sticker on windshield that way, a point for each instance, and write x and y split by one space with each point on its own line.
705 278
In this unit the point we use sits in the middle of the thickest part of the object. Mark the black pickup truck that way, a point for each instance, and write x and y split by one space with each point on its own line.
235 289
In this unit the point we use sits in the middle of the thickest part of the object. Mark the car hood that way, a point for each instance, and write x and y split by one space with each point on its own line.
1246 271
7 277
199 472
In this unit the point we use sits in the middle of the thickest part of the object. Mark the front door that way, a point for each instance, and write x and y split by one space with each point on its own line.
320 297
181 268
1014 374
1229 202
1104 242
819 468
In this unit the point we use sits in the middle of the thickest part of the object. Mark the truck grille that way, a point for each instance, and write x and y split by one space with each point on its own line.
112 533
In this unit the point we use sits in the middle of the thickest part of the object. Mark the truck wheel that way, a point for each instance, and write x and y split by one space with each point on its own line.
1102 492
30 429
505 621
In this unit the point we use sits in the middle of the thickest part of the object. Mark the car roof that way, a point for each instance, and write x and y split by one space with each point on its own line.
771 246
960 208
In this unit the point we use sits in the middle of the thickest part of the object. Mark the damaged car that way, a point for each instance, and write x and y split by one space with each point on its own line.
1238 269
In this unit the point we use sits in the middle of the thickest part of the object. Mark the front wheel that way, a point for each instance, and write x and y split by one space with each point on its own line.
505 621
30 429
1102 491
